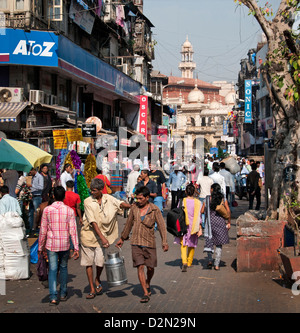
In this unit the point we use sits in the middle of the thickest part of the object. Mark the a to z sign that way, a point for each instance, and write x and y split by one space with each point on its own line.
143 115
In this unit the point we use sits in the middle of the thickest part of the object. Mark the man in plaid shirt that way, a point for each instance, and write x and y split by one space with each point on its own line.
57 225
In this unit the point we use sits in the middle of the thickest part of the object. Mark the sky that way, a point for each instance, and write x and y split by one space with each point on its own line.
220 31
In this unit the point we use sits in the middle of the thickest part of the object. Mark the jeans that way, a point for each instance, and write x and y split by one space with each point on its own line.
202 215
34 205
58 260
158 201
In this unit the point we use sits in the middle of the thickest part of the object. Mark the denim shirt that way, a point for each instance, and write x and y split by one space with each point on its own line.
175 182
37 184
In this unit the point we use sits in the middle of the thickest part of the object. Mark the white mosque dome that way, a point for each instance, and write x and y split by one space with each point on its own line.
230 98
195 96
214 105
187 43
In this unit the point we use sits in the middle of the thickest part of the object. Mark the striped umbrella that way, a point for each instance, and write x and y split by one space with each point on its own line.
21 156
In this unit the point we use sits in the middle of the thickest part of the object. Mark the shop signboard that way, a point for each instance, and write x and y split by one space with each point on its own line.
60 139
162 133
248 102
143 115
225 127
36 48
89 130
74 134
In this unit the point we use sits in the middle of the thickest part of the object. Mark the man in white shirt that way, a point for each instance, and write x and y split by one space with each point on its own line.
217 178
229 180
244 170
66 175
132 180
204 182
7 202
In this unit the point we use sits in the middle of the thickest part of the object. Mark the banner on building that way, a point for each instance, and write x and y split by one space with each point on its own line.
74 134
248 102
143 115
225 127
162 133
36 48
60 139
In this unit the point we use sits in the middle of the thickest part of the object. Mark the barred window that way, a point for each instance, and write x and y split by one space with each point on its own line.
3 4
19 4
56 10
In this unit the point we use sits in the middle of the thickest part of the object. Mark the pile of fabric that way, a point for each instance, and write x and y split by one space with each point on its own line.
14 248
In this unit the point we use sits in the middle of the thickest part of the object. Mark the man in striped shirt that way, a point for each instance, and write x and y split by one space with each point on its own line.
58 223
141 221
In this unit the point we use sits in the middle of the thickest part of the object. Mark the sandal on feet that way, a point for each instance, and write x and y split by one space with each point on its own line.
99 289
64 298
209 265
145 299
217 268
91 296
149 291
53 302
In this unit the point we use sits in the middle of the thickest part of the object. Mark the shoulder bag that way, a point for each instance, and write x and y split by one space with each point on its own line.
222 211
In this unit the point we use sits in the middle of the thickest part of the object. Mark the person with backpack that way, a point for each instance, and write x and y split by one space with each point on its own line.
189 241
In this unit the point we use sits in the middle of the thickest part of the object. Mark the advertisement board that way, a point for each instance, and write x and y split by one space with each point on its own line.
248 102
36 48
143 120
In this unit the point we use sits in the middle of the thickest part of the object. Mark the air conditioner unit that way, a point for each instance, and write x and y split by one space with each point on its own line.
36 96
11 94
123 68
52 100
110 11
116 121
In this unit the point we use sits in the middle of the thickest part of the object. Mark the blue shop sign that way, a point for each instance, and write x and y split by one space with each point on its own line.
225 127
36 48
248 101
43 48
214 151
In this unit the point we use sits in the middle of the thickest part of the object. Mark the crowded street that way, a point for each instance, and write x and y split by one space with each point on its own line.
149 160
198 291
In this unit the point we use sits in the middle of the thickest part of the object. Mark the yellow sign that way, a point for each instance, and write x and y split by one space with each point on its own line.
74 134
60 139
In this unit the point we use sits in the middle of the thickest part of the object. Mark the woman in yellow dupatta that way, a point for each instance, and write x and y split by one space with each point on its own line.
188 242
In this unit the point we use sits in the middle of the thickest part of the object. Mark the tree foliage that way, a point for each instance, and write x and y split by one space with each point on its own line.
281 72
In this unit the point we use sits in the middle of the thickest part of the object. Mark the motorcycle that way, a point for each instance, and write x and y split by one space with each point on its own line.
241 186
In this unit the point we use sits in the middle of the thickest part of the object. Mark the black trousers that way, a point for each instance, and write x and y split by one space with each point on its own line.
256 195
176 195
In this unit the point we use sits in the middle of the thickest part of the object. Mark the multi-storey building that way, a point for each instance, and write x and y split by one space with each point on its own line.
64 61
200 109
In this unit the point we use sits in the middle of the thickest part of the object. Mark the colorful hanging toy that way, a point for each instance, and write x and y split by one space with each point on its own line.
90 169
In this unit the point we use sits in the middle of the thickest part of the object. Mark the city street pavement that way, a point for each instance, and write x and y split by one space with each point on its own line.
199 290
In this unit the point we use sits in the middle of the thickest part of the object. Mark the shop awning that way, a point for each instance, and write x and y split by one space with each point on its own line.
10 111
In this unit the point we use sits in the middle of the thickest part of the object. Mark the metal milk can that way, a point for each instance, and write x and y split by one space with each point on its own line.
115 270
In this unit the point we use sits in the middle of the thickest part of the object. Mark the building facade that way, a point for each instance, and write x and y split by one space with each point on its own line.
200 108
65 61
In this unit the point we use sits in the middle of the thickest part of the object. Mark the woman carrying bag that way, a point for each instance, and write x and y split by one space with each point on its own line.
189 241
216 225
